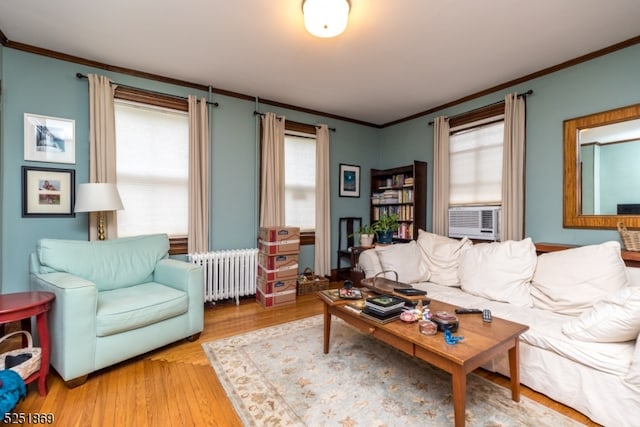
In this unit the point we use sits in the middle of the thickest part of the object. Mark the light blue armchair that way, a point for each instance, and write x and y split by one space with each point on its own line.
115 299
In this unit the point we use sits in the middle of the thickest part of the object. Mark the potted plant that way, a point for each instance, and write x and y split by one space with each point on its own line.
384 227
366 233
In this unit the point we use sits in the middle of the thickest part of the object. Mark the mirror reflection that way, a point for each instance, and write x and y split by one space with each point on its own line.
601 177
610 168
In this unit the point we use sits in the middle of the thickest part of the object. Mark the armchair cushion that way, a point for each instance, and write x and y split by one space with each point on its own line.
135 258
124 309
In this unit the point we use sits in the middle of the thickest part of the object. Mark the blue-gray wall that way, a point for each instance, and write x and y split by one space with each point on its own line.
619 174
41 85
603 83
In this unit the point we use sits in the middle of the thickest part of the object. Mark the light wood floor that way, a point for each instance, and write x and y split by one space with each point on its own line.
176 386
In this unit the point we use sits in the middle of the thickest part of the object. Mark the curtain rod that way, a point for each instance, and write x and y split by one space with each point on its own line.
82 76
258 113
527 93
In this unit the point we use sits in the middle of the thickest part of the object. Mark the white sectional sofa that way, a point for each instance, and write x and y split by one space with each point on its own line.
582 306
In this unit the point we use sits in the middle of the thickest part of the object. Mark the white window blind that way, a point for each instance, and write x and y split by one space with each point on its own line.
475 157
300 180
152 156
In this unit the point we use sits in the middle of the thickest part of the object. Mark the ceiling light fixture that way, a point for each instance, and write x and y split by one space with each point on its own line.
326 18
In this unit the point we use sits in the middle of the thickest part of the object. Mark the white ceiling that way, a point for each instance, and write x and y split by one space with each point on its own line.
396 58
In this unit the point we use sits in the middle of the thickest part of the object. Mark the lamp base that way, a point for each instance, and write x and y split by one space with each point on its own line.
101 232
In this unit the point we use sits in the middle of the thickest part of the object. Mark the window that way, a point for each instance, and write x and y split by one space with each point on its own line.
300 180
152 157
475 158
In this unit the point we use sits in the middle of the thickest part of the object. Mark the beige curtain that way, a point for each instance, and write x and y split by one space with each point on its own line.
272 171
198 175
512 221
102 145
322 262
440 222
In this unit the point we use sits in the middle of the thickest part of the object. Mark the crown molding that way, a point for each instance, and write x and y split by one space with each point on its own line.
83 61
164 79
3 39
584 58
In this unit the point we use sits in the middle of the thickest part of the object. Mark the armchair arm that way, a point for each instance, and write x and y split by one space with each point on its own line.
72 322
188 278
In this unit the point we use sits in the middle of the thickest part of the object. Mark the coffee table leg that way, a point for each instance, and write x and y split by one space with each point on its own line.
459 383
327 328
514 370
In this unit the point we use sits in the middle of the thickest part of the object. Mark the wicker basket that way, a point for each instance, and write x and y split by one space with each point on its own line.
29 366
631 239
309 282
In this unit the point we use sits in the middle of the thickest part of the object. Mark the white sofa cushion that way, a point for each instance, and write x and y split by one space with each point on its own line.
442 255
633 376
500 271
405 259
613 319
545 332
572 280
369 262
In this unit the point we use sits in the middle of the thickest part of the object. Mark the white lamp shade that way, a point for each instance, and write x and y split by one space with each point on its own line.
325 18
96 197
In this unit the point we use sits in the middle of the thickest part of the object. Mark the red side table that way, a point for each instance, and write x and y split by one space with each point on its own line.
22 306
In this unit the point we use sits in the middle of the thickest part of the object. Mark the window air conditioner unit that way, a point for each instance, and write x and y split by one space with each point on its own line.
475 222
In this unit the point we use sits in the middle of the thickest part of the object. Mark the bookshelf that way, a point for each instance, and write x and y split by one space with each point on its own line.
401 190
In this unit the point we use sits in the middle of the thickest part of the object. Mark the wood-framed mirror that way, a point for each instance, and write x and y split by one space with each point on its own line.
602 169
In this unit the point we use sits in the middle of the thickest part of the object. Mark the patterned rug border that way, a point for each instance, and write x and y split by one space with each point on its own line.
255 409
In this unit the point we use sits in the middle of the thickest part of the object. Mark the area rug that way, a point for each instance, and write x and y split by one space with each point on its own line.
279 376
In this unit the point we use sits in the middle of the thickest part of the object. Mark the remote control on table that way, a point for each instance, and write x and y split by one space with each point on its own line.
486 315
468 311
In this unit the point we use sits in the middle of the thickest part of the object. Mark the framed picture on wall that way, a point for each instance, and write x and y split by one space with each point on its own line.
48 192
49 139
349 180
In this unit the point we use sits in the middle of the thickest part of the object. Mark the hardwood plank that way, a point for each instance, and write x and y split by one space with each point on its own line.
176 385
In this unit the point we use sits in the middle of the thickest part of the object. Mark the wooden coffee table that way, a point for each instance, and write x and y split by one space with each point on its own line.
482 343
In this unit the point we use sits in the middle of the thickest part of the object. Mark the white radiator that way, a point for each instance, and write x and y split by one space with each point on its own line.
228 274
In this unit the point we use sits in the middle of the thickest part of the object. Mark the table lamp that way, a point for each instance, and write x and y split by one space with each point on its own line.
100 198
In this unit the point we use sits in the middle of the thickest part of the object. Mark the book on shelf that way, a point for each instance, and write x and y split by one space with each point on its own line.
403 231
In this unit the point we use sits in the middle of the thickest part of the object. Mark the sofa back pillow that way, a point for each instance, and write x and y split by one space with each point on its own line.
369 263
572 280
442 256
406 260
500 271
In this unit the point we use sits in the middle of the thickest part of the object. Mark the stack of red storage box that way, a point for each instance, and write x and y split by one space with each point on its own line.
277 265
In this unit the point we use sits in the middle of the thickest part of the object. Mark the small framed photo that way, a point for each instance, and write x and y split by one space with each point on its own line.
48 192
349 180
49 139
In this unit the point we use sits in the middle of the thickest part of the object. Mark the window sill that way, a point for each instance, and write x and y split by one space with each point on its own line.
308 238
178 245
